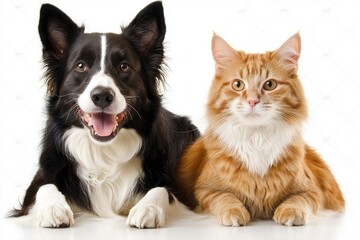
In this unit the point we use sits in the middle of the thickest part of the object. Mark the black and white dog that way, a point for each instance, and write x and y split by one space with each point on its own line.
109 147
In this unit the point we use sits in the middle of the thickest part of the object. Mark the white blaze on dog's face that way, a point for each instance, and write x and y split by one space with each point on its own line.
102 106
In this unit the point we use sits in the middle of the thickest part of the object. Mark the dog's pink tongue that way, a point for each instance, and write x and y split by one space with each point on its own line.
103 124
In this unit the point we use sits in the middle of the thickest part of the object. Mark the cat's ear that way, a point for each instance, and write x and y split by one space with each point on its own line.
222 52
289 52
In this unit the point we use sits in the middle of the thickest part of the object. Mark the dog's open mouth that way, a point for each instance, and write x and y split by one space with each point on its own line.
103 126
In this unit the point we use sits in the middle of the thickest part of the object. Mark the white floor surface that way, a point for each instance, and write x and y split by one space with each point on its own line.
331 226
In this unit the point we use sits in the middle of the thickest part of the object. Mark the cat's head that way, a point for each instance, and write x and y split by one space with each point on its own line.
256 89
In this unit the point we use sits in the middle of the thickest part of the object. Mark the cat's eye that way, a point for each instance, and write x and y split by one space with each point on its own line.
81 67
238 85
270 85
124 67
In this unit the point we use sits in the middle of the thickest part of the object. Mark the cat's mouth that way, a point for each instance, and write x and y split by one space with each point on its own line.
254 117
252 112
103 126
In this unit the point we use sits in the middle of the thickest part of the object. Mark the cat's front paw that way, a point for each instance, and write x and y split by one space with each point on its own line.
290 216
146 216
55 216
234 217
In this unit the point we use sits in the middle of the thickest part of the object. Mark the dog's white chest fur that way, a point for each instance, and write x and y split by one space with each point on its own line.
110 171
257 147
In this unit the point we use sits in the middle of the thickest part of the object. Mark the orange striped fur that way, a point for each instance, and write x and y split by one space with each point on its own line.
252 163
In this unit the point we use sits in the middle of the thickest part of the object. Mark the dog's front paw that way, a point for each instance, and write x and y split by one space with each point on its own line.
55 216
290 216
146 216
234 217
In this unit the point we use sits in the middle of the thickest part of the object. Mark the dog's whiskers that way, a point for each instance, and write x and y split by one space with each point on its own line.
134 110
71 109
67 95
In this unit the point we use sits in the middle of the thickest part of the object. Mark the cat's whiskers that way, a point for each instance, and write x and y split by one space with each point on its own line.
216 121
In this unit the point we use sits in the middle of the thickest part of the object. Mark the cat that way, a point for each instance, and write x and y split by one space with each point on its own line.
252 161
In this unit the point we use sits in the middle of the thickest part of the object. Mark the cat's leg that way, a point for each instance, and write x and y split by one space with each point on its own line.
295 210
227 208
149 212
51 209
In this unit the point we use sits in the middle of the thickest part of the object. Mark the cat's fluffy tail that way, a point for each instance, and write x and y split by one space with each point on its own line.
332 196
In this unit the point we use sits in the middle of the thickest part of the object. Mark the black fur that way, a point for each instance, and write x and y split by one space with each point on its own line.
165 135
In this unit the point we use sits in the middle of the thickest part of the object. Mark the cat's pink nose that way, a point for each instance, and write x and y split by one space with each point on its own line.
252 103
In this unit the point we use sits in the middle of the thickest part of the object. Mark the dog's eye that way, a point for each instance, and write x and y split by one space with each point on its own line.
81 67
124 67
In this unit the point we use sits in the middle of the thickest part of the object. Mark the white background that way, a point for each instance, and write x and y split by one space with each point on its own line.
329 69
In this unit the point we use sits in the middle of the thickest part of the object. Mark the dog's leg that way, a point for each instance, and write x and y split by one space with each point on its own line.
51 209
149 212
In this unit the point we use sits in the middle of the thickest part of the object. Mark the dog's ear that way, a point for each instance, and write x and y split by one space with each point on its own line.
57 31
146 33
147 29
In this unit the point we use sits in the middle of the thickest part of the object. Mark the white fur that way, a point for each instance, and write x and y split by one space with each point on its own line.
103 53
257 147
51 208
149 212
109 171
100 79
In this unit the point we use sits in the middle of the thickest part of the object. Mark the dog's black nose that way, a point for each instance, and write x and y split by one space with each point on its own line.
102 96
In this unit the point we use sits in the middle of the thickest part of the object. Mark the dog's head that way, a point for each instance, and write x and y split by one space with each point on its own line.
99 81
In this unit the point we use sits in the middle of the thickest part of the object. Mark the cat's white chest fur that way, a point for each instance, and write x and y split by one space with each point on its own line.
256 147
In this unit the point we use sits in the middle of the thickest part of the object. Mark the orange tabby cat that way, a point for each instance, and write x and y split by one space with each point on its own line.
252 161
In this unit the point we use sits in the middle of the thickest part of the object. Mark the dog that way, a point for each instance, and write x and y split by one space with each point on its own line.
108 147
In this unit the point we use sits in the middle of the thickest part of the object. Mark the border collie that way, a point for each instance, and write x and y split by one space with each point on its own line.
108 147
